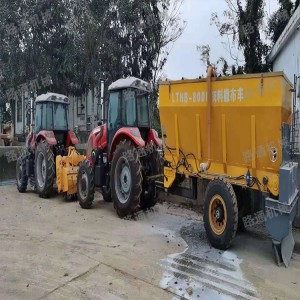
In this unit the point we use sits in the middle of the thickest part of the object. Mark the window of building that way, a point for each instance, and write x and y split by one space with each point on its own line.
19 111
80 106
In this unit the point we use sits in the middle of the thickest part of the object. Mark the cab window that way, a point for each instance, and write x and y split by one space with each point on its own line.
129 108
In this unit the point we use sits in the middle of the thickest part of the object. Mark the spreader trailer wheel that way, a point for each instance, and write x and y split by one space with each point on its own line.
220 213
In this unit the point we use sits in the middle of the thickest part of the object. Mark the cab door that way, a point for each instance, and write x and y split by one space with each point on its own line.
114 117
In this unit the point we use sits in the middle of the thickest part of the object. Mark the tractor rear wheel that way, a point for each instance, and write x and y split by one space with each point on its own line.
44 169
22 178
150 193
126 179
106 193
220 213
149 196
85 184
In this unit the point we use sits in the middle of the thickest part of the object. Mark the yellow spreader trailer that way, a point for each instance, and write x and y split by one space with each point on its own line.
237 134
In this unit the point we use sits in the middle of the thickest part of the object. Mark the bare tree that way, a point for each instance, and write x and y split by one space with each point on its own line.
220 65
171 29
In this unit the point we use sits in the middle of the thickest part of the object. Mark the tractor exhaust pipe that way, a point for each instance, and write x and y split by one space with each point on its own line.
102 100
31 112
210 73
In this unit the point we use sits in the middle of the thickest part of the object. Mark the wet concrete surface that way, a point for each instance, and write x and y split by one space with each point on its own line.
204 272
52 249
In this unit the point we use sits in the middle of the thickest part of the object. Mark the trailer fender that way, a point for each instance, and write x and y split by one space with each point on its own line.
131 133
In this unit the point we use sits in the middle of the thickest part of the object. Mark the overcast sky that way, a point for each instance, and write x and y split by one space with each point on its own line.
184 60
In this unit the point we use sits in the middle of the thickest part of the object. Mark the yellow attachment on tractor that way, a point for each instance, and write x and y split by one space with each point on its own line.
66 171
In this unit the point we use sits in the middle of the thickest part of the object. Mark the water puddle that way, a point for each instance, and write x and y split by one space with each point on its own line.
8 182
202 272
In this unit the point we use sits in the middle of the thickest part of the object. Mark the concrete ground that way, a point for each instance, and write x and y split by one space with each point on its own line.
53 249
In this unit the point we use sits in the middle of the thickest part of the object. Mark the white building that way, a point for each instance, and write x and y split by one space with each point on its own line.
285 54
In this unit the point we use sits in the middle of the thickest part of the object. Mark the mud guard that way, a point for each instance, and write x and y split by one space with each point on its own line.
48 136
279 214
153 136
72 139
130 133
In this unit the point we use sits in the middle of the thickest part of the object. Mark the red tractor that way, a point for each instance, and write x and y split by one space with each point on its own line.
123 155
49 139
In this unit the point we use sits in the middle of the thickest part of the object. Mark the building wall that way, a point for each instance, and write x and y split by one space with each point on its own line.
85 118
21 107
288 59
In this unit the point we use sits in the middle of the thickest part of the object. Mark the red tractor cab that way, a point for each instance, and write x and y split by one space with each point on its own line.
123 155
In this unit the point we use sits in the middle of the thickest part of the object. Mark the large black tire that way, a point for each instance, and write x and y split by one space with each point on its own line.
220 213
44 169
126 179
149 199
106 193
22 178
85 184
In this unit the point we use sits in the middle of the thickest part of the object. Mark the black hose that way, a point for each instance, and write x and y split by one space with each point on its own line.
186 165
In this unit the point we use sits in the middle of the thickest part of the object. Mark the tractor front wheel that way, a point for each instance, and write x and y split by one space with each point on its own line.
44 169
85 185
126 179
220 213
22 178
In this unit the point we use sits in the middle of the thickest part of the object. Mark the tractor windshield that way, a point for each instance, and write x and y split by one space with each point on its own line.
43 117
135 108
129 107
60 116
51 116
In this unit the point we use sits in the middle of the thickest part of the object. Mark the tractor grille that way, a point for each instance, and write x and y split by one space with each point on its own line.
61 137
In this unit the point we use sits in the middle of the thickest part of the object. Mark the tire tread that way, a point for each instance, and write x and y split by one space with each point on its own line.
136 188
87 204
24 181
48 188
225 183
